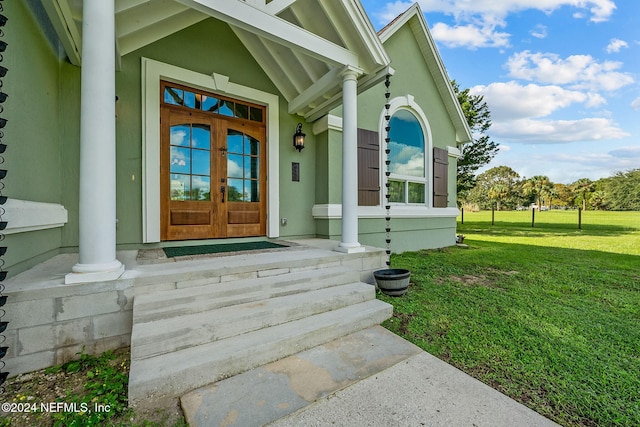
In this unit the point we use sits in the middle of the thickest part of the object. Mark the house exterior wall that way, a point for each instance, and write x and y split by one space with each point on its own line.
430 227
33 134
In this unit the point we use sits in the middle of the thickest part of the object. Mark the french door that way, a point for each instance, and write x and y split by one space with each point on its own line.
213 166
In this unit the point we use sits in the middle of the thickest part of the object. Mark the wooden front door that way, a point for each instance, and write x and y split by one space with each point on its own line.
213 166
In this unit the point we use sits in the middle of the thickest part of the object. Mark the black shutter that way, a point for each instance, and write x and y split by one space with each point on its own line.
368 168
440 177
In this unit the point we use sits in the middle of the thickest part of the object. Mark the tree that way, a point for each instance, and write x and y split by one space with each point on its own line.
499 185
623 191
565 197
582 187
540 186
482 149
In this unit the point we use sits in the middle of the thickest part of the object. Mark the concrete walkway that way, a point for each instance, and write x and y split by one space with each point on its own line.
369 378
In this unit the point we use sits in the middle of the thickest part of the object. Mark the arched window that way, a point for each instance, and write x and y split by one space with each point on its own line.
408 167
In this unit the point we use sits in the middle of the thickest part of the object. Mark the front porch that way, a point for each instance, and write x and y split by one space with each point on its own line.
51 322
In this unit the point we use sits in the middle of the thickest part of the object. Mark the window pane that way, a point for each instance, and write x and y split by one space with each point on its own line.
226 108
234 141
180 135
201 137
251 190
251 167
396 191
242 111
255 114
201 188
235 166
416 192
235 192
209 103
189 99
180 187
173 96
251 145
201 162
407 144
180 161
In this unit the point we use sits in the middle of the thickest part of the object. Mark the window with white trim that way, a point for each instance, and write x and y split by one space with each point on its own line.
408 178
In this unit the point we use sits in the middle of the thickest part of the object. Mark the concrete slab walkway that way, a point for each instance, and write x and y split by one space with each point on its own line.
369 378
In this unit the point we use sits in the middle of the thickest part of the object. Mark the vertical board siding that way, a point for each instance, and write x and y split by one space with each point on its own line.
368 168
440 177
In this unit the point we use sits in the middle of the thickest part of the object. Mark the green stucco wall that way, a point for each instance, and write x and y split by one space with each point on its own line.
33 131
412 77
207 47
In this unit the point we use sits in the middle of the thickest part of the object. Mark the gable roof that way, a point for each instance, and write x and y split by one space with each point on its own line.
302 45
414 18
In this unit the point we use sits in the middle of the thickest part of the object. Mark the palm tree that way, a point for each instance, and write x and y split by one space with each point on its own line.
582 187
537 185
497 192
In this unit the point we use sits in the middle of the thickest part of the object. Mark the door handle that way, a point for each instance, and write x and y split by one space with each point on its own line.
223 189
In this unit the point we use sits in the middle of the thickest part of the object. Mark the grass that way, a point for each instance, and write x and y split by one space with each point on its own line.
548 315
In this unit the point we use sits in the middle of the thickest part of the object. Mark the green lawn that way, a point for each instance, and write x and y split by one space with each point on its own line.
548 315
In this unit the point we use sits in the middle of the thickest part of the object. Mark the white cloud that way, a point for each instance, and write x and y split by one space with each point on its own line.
579 71
615 45
540 31
470 36
635 104
511 100
557 131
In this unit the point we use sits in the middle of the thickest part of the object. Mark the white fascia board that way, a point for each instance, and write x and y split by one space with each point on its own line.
328 122
366 32
125 5
61 18
334 211
256 21
454 152
415 18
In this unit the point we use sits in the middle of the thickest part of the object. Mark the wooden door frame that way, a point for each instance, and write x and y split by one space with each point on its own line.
152 73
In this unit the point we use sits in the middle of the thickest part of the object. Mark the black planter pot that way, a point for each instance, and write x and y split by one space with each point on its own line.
392 281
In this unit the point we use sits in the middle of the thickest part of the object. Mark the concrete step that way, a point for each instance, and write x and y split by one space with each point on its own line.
166 336
272 391
185 301
173 374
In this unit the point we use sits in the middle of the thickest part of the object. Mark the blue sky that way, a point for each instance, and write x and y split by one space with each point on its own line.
561 77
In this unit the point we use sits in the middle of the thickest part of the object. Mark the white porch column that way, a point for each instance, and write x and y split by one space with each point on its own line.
349 241
97 147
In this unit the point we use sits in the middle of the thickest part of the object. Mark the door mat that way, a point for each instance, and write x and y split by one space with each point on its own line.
215 249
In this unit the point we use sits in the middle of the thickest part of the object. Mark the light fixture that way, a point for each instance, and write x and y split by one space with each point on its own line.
298 138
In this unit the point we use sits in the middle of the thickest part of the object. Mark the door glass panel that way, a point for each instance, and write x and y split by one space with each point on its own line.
234 166
173 96
180 135
201 188
180 186
234 141
242 111
190 162
201 137
226 108
251 146
201 162
189 99
235 190
254 196
180 160
209 103
251 167
255 114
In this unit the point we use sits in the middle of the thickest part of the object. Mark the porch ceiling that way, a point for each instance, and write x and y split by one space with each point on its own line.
302 45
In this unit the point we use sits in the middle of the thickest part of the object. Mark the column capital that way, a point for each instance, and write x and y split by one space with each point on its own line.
351 72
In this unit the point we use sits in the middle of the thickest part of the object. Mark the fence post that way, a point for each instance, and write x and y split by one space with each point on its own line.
579 218
533 217
462 219
493 215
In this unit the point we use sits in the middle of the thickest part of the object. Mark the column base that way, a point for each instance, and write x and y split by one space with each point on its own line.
90 273
350 248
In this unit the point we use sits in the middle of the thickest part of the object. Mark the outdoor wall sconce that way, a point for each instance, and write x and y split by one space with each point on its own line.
298 138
